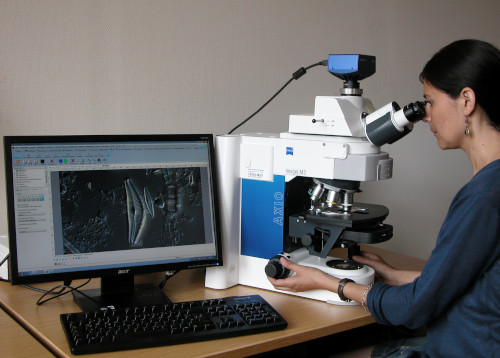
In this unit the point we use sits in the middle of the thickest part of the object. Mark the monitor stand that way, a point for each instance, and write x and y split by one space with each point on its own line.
119 292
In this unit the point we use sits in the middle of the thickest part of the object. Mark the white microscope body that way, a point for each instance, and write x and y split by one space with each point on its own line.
266 207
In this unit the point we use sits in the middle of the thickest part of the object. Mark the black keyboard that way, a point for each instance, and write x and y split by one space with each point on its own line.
150 326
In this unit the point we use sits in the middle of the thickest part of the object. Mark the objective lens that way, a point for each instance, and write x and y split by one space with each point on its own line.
316 192
332 198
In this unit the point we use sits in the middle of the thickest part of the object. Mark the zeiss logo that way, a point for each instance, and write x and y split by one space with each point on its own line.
289 150
122 272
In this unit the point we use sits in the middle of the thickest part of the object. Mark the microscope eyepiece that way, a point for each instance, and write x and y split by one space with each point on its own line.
414 111
390 123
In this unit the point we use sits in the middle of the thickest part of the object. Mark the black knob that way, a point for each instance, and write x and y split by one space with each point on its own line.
275 269
307 240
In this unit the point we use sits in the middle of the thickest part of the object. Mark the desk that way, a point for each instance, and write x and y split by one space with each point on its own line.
307 319
17 342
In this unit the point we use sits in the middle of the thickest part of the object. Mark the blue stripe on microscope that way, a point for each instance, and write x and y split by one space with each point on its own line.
262 216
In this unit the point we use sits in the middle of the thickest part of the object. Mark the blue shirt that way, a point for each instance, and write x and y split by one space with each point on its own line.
457 296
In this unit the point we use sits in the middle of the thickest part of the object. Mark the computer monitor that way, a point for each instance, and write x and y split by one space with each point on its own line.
111 207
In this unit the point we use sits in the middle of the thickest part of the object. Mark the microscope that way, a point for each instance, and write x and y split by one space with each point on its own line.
292 194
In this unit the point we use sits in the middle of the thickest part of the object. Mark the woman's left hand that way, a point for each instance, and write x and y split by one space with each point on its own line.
304 279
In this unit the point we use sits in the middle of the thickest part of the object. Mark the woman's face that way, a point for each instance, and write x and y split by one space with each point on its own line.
445 119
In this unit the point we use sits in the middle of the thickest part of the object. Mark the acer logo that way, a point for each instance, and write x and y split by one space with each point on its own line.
122 272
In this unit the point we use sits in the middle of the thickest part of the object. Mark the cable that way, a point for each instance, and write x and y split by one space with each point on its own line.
51 291
1 263
62 291
66 286
296 75
4 259
42 290
168 275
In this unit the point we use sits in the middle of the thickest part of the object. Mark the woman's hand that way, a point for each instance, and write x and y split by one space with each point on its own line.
304 279
385 272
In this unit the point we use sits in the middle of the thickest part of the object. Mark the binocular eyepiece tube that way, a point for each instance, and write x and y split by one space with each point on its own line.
391 123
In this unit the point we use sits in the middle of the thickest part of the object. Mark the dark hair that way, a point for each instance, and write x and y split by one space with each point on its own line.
468 63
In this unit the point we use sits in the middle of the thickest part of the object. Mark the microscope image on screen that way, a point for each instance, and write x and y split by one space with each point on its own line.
130 209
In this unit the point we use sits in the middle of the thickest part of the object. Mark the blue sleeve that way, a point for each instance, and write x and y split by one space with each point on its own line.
467 246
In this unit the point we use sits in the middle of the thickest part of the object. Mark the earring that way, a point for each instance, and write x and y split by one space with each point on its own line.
467 130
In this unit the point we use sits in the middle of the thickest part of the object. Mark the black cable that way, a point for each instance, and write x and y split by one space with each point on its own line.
36 289
66 286
41 290
62 291
168 275
4 259
296 75
1 263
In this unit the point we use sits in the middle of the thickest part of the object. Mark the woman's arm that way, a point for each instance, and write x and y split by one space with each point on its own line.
308 278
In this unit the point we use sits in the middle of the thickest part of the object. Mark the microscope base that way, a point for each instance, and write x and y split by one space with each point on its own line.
252 273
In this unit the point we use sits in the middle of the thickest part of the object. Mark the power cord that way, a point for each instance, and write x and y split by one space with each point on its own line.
295 76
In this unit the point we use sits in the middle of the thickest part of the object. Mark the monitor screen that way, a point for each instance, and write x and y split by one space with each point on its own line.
110 206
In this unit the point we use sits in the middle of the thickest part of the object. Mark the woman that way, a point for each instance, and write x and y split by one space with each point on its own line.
457 295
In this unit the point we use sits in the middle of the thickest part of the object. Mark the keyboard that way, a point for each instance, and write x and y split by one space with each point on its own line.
150 326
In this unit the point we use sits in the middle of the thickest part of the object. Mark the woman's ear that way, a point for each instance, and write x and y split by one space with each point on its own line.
468 98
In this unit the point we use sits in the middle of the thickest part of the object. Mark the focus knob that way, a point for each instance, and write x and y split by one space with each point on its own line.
275 269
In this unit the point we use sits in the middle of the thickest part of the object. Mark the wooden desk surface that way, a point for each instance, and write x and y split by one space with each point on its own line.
17 342
307 319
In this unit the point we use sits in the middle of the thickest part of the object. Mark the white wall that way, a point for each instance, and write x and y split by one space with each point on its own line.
97 66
